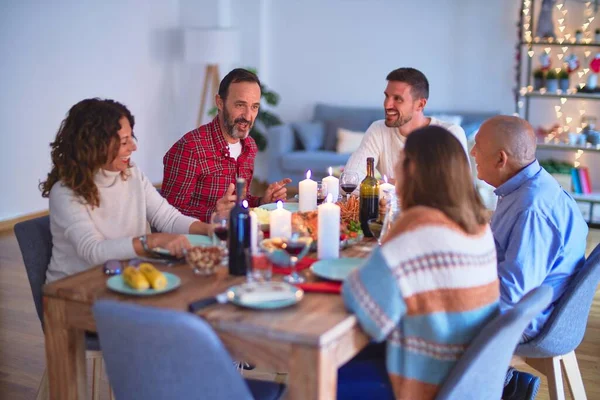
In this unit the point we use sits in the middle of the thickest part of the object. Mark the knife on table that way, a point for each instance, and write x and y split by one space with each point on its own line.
197 305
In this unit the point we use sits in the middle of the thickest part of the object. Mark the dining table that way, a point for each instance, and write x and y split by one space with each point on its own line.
309 340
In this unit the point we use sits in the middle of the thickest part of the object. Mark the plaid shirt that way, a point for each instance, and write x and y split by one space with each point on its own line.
198 170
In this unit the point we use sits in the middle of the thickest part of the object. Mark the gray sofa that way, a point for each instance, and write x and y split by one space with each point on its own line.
295 147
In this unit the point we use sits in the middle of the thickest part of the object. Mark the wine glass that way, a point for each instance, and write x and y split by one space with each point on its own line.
220 225
321 192
349 182
296 246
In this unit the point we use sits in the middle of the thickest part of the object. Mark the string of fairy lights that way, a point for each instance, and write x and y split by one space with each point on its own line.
567 123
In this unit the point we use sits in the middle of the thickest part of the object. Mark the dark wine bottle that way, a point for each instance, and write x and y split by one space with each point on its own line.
239 233
369 198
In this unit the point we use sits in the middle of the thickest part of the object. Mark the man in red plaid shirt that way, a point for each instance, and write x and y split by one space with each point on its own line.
202 167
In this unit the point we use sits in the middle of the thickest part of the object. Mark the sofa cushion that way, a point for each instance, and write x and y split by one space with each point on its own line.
348 141
309 134
356 124
316 161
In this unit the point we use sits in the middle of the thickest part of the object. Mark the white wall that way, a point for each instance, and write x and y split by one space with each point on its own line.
53 54
340 51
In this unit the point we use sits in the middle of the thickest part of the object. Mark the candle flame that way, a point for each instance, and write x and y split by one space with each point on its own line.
280 205
329 198
245 203
330 170
308 174
385 179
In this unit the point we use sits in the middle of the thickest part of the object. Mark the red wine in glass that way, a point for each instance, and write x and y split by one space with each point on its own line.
320 200
348 187
221 232
294 248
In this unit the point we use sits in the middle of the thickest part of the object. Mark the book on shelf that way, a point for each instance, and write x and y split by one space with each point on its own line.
584 176
576 181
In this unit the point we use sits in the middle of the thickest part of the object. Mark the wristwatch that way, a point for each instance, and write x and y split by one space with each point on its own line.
144 241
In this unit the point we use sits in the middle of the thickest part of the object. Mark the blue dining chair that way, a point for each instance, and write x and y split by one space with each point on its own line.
157 354
564 331
480 372
35 242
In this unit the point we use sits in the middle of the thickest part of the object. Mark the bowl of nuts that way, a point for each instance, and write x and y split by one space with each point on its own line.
204 260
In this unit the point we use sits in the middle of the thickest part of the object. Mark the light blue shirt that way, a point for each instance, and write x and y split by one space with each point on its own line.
540 238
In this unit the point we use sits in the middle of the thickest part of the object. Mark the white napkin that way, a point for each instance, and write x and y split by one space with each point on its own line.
260 296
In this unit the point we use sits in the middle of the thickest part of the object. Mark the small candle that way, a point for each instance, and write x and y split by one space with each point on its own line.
385 187
280 222
253 232
328 241
333 185
307 194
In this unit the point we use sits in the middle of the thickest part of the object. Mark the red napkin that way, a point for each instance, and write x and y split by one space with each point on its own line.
321 287
304 263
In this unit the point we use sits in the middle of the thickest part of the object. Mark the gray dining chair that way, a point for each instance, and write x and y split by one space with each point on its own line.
563 332
480 372
158 354
35 243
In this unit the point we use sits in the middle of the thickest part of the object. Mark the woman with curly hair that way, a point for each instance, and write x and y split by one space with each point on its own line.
101 203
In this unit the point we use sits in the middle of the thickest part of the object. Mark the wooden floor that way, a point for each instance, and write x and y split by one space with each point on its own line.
22 345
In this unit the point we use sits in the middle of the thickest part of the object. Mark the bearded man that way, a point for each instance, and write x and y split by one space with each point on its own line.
200 170
406 96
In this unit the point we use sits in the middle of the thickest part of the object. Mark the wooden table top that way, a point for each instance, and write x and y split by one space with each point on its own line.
317 320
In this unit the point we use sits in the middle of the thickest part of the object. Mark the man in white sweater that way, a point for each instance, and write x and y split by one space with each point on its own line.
406 96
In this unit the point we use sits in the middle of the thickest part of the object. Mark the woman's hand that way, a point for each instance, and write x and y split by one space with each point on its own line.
174 243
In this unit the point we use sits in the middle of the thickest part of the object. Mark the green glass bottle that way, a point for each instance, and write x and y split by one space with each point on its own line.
369 198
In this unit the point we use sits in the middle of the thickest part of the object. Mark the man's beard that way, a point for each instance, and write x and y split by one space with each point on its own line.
231 126
400 121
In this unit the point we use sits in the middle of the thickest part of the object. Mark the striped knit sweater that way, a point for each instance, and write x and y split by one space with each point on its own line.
428 291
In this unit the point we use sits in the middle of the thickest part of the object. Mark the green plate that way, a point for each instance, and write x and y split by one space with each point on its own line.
292 207
236 294
195 240
117 284
336 269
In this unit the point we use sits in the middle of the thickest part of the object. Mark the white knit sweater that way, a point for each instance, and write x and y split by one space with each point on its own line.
83 236
384 145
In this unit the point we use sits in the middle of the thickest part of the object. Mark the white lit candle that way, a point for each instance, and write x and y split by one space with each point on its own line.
385 187
307 194
253 232
280 222
333 185
328 241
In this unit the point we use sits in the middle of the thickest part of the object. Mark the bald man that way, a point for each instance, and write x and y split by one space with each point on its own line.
539 231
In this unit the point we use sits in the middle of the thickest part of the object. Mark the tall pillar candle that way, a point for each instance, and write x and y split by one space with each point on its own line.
253 232
333 185
385 187
280 222
328 241
307 194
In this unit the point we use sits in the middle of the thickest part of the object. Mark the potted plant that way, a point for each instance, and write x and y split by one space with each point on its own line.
578 35
563 80
552 81
597 35
538 79
265 119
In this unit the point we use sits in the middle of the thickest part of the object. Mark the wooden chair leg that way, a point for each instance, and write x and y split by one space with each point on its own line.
555 381
574 376
96 377
43 392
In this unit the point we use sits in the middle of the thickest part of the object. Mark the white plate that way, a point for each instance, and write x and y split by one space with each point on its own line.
265 295
336 269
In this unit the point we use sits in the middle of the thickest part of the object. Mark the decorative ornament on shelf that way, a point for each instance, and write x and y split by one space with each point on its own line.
545 61
545 28
592 82
552 81
563 80
572 62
